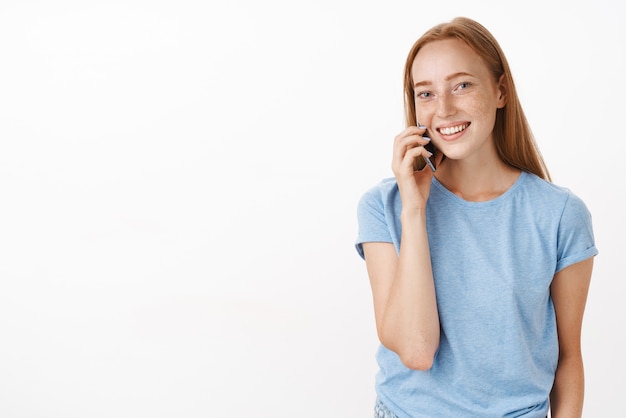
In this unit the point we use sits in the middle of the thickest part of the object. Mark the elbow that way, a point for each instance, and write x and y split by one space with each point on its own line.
417 361
417 351
415 356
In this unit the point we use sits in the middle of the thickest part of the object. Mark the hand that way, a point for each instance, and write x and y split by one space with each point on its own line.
414 185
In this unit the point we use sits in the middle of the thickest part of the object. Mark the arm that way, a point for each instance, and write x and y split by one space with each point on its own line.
569 294
403 289
405 306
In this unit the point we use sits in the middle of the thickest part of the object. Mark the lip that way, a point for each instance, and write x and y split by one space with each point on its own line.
455 136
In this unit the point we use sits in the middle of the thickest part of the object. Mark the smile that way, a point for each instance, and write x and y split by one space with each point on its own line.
453 129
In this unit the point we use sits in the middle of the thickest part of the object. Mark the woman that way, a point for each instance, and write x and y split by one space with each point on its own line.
480 269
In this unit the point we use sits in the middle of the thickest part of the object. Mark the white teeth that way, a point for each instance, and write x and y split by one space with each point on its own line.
452 130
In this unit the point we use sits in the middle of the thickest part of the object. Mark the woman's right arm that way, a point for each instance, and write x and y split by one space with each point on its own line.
405 306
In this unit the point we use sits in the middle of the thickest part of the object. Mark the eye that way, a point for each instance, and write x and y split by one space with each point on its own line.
422 94
464 85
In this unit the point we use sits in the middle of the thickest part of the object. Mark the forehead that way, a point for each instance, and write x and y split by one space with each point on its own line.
438 59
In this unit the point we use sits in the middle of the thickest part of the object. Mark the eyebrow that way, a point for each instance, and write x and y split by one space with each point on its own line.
448 78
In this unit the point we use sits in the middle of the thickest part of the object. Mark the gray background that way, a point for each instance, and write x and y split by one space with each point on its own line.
179 180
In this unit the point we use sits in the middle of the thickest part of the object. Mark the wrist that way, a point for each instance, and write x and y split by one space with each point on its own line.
413 214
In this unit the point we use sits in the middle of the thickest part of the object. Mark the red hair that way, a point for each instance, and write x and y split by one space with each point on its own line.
513 137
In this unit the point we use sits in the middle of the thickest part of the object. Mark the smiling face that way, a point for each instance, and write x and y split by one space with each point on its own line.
456 97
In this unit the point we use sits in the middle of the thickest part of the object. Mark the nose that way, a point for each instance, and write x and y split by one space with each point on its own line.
445 106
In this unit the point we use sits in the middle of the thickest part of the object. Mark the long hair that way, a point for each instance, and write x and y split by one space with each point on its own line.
514 141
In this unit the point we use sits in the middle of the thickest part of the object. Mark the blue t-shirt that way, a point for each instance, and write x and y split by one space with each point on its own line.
493 263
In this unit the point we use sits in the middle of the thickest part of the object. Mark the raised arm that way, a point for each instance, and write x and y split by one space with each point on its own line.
403 289
569 294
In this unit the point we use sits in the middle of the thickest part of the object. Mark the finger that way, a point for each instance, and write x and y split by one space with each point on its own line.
403 159
412 154
413 130
403 143
417 129
408 139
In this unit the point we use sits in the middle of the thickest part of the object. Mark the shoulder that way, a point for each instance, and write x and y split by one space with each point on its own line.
544 188
569 214
377 214
384 187
548 195
381 194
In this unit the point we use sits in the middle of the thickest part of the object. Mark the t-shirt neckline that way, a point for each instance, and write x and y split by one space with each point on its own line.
486 203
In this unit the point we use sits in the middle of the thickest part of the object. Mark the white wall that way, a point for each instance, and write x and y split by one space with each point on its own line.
178 185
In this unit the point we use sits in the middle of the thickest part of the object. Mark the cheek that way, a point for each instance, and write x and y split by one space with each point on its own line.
479 104
487 110
425 115
483 108
476 106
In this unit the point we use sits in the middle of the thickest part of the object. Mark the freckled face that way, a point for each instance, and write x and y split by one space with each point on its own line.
456 98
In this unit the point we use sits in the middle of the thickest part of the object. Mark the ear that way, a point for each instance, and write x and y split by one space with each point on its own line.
502 90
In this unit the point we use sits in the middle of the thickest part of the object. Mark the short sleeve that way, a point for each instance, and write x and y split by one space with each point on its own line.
372 222
575 241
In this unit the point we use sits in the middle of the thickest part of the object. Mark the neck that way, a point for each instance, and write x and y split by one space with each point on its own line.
477 180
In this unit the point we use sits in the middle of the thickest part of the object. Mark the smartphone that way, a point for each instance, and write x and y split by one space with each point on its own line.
420 162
